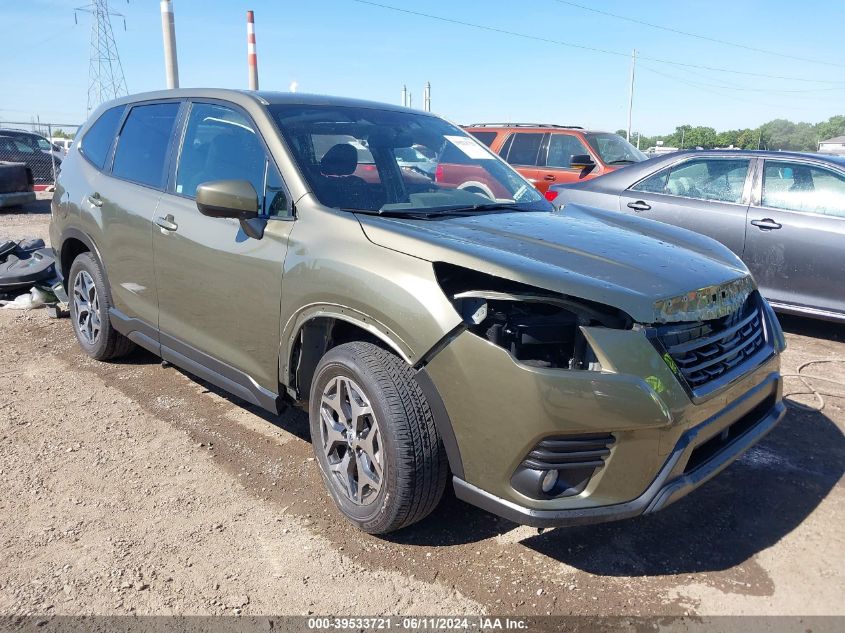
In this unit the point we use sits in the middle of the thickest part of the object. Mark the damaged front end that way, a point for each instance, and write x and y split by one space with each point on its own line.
561 404
538 328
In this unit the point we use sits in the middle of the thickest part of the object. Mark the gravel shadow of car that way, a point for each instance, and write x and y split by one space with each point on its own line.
747 508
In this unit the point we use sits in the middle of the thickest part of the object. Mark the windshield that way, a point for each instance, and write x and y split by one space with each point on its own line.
614 150
385 161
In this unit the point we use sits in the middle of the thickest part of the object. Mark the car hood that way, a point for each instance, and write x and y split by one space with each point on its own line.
653 271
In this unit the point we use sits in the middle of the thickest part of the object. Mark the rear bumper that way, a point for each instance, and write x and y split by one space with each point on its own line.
673 480
16 198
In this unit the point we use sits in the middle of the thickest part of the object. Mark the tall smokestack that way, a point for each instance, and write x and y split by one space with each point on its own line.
404 96
168 33
252 57
427 97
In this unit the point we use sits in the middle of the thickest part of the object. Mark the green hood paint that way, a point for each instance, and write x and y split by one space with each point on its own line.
615 259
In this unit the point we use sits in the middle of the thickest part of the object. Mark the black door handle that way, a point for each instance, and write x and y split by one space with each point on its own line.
766 224
639 205
549 177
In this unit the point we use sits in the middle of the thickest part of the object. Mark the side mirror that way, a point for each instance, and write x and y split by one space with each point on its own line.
581 161
232 199
227 199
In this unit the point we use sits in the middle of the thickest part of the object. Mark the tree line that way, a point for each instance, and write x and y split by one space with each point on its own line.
778 134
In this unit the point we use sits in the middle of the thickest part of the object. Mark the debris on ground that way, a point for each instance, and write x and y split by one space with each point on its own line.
29 278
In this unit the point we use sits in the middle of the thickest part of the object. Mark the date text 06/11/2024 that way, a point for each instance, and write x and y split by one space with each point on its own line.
483 623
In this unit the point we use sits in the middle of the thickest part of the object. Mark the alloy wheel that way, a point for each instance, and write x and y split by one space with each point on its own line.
86 304
351 441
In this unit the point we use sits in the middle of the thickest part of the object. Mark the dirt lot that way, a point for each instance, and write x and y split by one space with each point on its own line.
132 488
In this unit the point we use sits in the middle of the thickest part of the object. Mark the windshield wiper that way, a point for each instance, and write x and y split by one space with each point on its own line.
622 161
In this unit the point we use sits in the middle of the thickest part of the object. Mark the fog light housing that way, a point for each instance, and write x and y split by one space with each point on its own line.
561 466
549 481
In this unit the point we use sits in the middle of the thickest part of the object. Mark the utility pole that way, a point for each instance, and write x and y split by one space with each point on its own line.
404 96
638 139
168 34
105 73
410 100
631 93
252 56
427 97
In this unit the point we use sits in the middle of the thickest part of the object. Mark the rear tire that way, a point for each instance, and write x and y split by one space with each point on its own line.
374 438
90 299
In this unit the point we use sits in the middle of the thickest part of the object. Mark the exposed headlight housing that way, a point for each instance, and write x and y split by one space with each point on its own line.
537 327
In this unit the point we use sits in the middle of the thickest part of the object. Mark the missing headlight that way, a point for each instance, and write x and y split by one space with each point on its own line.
536 334
537 327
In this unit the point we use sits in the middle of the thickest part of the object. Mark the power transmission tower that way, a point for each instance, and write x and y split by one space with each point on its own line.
105 73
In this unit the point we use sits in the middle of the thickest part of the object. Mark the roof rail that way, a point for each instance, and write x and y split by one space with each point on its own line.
551 125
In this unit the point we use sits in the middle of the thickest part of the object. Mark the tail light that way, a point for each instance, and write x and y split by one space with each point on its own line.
438 173
550 195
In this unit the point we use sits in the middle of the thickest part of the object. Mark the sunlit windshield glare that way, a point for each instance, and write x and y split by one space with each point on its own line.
615 150
389 161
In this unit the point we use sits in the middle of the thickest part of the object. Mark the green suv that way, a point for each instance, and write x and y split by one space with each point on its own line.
557 367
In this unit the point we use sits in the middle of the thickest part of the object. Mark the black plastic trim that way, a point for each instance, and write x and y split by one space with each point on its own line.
442 421
660 493
194 361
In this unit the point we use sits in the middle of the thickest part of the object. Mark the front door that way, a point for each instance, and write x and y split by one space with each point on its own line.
706 195
555 163
796 233
220 291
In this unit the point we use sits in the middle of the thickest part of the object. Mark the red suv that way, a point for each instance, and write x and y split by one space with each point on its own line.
555 154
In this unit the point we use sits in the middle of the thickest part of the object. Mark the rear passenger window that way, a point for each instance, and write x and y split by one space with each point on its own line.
524 148
485 137
142 145
656 183
96 143
720 180
220 144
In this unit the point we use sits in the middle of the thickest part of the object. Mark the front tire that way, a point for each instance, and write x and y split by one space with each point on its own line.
374 438
90 301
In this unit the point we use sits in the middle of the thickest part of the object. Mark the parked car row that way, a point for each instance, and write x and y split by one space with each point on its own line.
33 150
421 299
783 213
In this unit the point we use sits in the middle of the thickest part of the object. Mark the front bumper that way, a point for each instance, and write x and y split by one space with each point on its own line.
499 409
666 487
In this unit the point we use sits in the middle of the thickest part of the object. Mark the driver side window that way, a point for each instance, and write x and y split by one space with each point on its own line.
220 144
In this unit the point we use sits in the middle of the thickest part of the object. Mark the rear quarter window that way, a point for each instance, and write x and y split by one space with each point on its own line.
97 141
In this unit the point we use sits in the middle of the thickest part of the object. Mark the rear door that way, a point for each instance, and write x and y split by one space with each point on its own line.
708 195
126 196
796 234
556 159
219 290
522 151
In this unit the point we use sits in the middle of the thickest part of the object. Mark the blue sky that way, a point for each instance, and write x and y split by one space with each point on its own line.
346 48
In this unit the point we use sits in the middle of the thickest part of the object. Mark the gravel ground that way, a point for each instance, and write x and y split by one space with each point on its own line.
132 488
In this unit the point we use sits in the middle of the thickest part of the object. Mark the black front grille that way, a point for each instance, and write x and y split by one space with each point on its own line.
706 351
569 453
716 444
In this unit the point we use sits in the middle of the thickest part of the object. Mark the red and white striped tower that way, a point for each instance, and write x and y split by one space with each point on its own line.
252 56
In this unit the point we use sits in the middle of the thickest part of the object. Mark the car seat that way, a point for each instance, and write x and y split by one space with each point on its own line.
337 184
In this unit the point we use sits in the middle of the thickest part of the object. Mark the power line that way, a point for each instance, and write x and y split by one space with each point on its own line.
589 48
708 88
696 35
